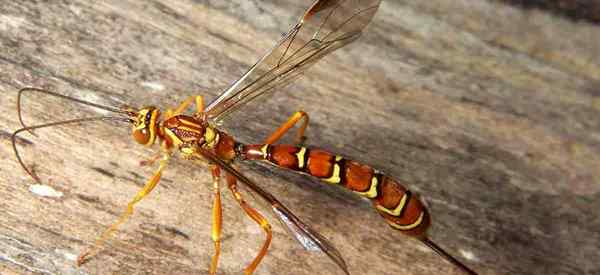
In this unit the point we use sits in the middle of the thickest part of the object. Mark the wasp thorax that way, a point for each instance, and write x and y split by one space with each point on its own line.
145 125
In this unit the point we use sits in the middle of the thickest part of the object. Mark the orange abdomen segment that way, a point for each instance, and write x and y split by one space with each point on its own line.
358 176
284 156
320 164
401 208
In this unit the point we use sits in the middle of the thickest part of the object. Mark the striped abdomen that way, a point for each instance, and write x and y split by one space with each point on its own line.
400 208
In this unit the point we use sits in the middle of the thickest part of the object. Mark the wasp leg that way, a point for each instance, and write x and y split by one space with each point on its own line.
217 218
185 104
257 217
286 126
151 160
83 257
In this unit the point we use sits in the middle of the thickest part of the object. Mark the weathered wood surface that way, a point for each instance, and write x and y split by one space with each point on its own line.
489 112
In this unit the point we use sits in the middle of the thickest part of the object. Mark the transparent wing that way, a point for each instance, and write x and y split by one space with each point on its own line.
327 25
306 236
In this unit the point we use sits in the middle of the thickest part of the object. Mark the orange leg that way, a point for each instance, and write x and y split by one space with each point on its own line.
217 218
257 217
91 251
151 160
185 104
285 127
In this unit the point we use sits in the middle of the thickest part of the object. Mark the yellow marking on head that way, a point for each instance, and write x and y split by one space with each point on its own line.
152 127
301 157
408 226
372 192
335 176
141 119
264 150
398 209
140 127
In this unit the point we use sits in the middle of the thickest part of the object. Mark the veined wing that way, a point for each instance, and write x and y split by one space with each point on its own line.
326 26
304 234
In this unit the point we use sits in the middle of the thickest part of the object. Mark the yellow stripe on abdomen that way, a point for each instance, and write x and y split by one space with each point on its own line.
408 226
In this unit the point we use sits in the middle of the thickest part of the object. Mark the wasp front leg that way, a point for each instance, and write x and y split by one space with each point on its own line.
148 187
286 126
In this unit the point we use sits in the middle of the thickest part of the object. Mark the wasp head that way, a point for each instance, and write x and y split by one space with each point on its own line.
144 127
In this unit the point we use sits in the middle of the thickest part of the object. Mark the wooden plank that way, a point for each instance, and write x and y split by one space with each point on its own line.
487 111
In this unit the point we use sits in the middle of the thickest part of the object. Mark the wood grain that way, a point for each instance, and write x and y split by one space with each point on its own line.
489 112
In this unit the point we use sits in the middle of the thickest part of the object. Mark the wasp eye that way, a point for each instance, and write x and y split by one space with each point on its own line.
141 136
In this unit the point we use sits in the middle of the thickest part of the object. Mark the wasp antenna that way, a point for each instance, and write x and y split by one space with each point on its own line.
63 122
447 256
80 101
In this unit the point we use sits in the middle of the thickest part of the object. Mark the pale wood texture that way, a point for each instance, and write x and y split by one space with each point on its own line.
489 112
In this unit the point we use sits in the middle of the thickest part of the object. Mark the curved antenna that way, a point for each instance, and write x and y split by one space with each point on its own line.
80 101
447 256
63 122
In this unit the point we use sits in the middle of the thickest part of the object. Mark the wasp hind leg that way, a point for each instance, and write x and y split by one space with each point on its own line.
257 217
148 187
286 126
